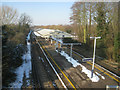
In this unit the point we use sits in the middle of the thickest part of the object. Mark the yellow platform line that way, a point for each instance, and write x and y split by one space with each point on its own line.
100 69
58 67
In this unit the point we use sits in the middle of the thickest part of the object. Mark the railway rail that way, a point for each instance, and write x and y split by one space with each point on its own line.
39 73
47 57
100 68
43 75
36 83
71 77
63 74
73 74
98 63
52 67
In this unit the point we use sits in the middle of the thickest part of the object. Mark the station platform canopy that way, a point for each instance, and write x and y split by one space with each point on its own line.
47 33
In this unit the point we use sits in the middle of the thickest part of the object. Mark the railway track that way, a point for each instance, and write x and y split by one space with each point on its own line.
98 63
42 78
63 74
72 76
47 71
98 67
36 83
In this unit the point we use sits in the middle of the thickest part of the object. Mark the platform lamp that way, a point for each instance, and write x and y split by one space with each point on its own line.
94 54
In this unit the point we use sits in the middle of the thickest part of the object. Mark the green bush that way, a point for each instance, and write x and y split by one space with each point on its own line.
13 47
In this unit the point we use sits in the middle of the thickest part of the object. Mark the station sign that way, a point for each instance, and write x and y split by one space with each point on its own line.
87 59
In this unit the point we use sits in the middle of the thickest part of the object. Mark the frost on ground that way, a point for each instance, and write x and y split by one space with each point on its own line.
100 75
24 68
84 69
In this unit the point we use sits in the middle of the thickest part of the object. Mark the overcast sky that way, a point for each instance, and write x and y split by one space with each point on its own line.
44 13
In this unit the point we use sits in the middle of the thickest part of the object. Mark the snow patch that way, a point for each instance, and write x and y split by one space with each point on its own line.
95 78
24 68
84 69
28 37
56 50
37 34
39 57
100 75
71 60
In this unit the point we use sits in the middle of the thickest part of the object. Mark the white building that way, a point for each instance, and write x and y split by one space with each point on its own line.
55 34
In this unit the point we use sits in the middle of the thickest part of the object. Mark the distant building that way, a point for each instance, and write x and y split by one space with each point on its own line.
50 33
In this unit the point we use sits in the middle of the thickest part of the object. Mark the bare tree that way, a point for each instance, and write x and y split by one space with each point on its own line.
8 15
25 19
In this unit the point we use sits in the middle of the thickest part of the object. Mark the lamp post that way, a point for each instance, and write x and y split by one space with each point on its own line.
71 44
94 53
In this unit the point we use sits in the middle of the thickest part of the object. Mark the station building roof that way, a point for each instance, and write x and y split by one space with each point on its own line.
46 33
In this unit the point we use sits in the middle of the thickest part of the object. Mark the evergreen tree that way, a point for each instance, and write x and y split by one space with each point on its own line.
117 47
101 19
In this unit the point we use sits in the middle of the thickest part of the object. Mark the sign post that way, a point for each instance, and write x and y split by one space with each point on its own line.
94 54
71 47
